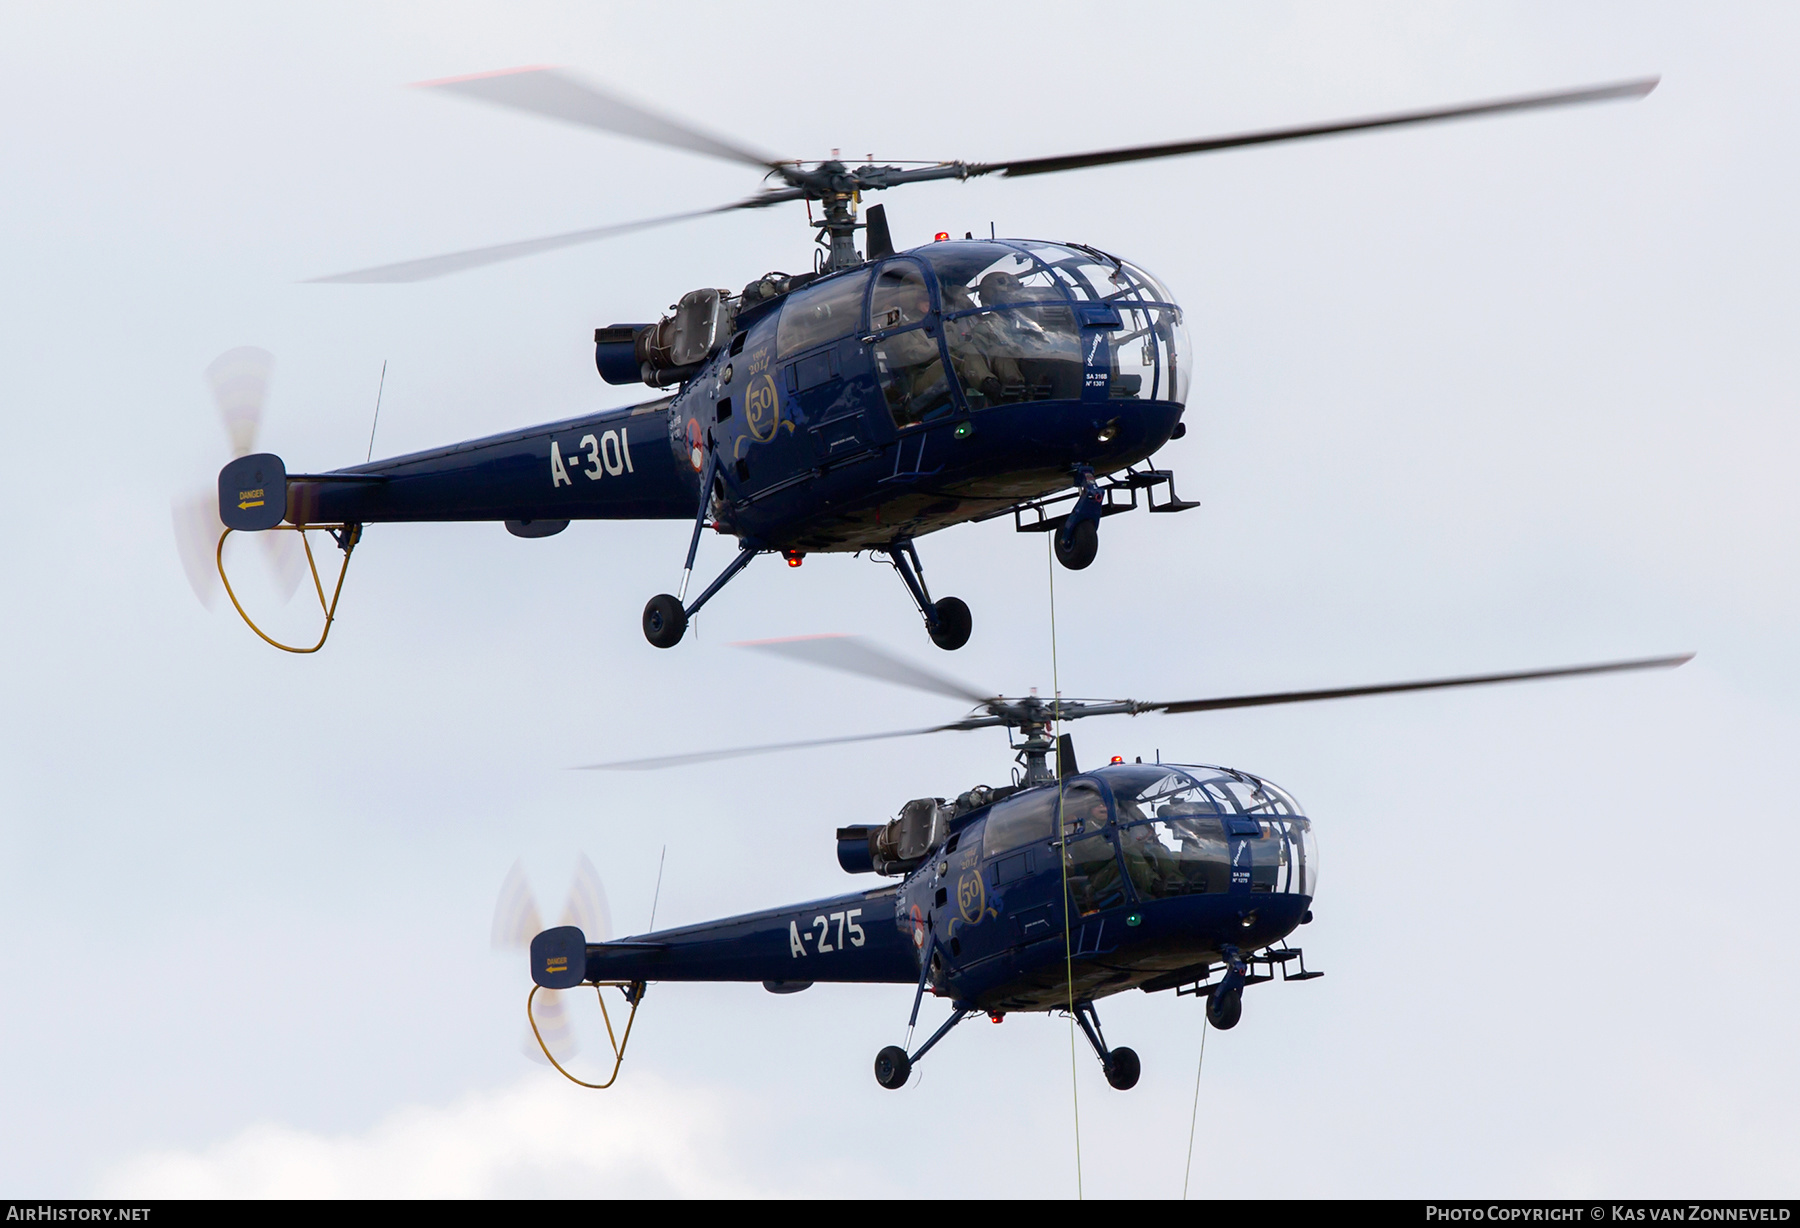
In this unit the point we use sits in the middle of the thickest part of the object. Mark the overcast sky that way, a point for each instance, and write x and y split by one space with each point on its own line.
1492 395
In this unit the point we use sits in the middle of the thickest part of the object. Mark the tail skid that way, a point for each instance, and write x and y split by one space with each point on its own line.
634 994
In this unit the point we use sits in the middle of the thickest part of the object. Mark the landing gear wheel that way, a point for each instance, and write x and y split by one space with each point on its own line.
1084 544
892 1067
1125 1069
1224 1012
665 622
954 623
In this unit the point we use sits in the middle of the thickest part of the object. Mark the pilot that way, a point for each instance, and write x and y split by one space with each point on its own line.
980 364
1203 854
1149 864
1039 343
1094 878
1002 289
913 372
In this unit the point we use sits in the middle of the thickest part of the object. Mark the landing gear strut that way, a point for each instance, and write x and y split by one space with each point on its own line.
947 619
1225 1005
665 618
893 1065
1121 1065
1078 541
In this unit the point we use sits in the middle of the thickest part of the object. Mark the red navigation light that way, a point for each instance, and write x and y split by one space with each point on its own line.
794 557
942 236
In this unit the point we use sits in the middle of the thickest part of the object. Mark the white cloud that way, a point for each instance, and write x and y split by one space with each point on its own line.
535 1138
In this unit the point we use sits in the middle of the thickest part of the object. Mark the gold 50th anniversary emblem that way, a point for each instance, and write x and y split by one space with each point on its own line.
762 408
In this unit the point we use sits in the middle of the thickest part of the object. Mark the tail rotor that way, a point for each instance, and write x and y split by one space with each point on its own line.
239 380
517 920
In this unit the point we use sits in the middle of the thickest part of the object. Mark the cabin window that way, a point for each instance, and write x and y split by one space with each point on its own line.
900 297
1019 821
911 371
1095 883
820 313
1092 864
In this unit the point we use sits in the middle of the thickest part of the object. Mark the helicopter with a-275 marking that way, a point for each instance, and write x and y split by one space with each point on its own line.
1046 894
879 396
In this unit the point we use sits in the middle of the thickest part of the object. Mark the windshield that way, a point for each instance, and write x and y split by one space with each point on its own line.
1014 332
1194 830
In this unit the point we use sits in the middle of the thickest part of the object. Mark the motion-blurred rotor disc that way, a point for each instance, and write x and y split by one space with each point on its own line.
587 908
287 560
516 917
197 530
517 920
240 384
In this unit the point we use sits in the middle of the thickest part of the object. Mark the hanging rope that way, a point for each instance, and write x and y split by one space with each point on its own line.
351 534
618 1043
1194 1122
1062 837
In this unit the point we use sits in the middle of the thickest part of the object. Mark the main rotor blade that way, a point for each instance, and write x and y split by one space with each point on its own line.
706 756
854 655
456 262
559 95
1389 688
1139 153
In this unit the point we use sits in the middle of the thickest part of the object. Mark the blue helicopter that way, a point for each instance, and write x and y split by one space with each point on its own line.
1046 894
878 397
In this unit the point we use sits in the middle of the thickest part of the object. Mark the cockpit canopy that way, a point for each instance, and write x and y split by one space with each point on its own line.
1015 310
1020 320
1173 829
1178 825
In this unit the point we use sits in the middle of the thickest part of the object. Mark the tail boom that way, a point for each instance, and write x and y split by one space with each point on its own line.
615 465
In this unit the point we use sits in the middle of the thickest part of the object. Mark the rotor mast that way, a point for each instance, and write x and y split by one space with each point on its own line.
836 187
839 188
1033 717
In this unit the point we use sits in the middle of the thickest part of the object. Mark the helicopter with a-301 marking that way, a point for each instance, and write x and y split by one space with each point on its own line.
1046 894
879 396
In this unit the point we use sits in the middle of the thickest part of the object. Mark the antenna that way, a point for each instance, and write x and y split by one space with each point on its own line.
658 894
377 421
